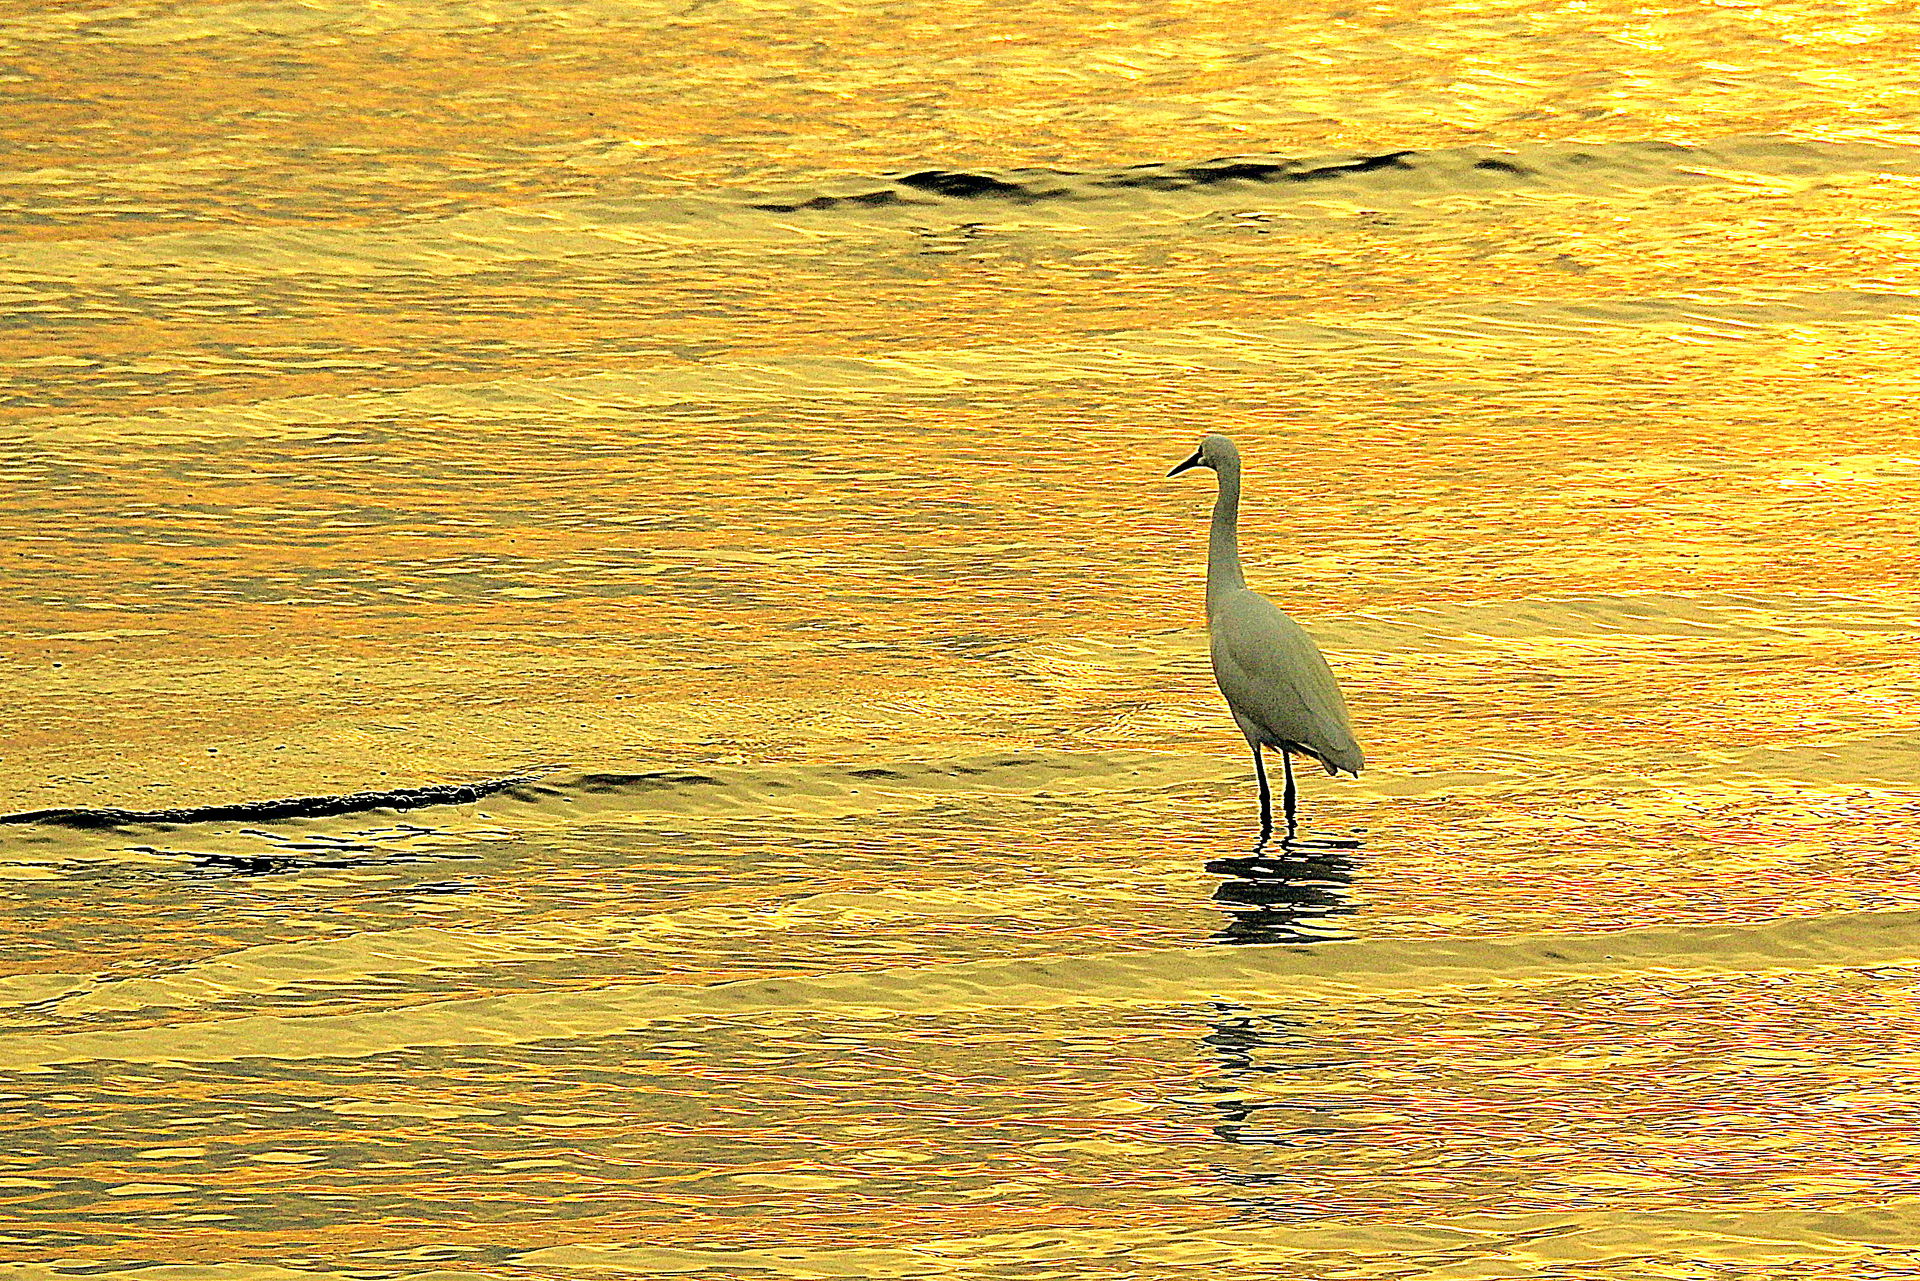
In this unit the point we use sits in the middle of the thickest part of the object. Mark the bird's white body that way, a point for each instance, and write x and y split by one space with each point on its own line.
1279 688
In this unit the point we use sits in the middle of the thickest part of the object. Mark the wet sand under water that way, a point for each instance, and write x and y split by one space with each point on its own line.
737 454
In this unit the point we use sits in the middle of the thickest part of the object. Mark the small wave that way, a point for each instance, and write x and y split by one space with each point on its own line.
1362 971
404 798
717 793
1770 1240
1443 169
825 790
1026 186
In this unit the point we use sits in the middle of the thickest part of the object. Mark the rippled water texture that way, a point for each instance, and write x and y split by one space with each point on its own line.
730 439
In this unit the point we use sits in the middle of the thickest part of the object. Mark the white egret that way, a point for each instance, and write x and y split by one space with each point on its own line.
1279 688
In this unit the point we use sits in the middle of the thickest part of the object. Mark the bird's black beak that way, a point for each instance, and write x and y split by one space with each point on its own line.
1191 462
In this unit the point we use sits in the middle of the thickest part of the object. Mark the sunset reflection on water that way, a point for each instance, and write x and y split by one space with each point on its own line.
749 425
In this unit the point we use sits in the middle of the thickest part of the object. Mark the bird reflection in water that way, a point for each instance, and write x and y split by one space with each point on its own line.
1275 1099
1255 1100
1264 1094
1288 893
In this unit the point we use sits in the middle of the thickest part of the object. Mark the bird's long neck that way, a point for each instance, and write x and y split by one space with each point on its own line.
1223 544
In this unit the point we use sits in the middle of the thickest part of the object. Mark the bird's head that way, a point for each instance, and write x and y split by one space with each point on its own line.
1215 451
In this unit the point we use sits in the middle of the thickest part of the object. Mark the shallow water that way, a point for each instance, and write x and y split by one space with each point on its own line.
745 426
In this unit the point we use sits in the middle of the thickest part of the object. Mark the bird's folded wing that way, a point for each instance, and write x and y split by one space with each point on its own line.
1272 673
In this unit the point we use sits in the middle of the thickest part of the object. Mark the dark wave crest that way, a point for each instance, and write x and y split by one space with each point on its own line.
405 798
1453 168
1026 186
719 792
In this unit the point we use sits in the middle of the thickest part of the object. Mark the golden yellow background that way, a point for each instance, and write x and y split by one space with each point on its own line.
407 393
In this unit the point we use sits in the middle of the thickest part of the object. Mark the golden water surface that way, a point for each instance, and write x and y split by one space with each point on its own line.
747 423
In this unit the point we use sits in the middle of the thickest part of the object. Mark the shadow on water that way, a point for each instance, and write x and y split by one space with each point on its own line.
279 854
296 861
1287 893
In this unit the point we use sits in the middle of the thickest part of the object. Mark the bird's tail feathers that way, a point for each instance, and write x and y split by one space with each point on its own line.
1343 759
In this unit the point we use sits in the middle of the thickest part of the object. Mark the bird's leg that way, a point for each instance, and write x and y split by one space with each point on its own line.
1288 797
1266 797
